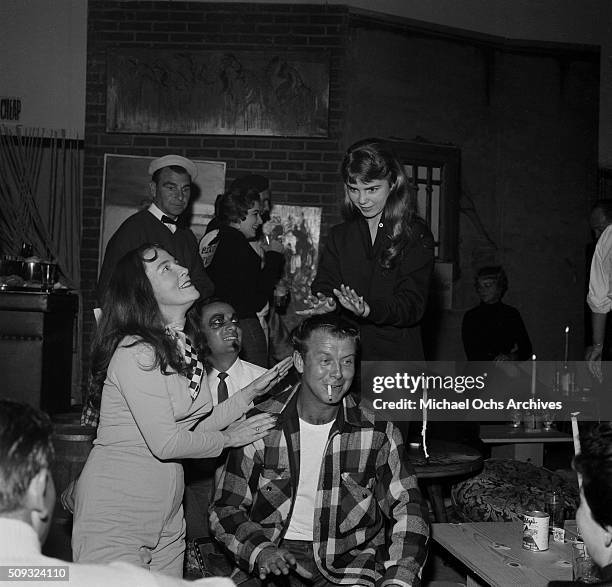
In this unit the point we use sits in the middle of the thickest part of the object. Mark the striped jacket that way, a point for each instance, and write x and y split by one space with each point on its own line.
371 524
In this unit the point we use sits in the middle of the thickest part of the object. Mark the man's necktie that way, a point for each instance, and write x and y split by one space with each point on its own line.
222 393
167 220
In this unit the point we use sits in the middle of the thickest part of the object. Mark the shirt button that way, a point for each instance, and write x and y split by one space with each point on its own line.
268 488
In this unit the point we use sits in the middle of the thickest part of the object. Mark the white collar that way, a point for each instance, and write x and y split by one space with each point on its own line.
153 209
233 372
17 538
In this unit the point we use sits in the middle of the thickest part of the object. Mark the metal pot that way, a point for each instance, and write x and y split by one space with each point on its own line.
40 271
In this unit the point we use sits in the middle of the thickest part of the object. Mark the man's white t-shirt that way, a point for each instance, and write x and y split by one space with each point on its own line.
311 457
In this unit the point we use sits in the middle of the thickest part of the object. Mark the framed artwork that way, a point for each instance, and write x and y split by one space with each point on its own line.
125 191
218 92
299 229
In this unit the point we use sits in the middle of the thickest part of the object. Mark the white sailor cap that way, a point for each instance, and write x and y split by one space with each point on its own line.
168 160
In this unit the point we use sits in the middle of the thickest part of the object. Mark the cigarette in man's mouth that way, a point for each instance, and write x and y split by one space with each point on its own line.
329 393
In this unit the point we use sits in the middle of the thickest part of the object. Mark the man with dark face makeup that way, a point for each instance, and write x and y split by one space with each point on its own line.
221 328
227 373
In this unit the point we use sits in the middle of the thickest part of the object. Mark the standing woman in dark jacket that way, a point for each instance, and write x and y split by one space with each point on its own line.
378 264
237 272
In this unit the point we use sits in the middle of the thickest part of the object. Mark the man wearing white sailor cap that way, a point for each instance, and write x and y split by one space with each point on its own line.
170 188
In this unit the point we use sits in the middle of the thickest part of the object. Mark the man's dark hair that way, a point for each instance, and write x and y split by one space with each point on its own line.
234 206
606 208
25 450
175 168
331 323
594 463
493 272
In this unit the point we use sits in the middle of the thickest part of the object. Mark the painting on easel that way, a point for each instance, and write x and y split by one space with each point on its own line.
215 92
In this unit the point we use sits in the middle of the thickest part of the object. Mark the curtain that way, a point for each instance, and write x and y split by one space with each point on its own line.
40 197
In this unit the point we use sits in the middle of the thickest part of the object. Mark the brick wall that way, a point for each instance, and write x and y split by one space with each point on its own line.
301 170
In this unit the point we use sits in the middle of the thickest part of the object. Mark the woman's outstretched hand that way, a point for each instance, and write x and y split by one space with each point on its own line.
243 432
319 304
265 382
352 301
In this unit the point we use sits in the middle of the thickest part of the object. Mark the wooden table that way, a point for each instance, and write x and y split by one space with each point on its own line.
447 461
493 552
520 444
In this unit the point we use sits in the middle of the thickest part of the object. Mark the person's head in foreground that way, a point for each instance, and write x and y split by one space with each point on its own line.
376 186
171 179
148 291
325 355
491 284
594 516
27 492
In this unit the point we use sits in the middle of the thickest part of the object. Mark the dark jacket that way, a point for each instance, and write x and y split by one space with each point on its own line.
237 273
397 297
492 329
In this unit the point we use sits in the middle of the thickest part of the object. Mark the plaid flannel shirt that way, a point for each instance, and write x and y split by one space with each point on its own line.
370 522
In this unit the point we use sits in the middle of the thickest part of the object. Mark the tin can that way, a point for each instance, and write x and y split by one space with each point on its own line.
535 531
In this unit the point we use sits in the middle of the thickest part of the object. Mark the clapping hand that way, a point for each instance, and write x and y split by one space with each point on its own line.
279 561
319 304
353 302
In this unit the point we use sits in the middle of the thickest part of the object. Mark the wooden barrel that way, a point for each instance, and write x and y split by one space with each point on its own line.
72 443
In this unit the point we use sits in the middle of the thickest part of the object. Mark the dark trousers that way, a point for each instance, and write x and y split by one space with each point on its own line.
302 551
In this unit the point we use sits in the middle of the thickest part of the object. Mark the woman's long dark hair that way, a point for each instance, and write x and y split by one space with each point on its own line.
130 309
371 159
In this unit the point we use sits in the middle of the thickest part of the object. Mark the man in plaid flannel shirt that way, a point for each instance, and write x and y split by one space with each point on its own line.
328 495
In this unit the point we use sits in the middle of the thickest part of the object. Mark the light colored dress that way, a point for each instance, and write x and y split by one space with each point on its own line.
128 497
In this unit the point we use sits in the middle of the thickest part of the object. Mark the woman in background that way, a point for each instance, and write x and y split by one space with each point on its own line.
241 277
378 263
154 399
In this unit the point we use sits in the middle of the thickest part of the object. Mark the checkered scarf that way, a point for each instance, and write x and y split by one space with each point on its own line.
190 356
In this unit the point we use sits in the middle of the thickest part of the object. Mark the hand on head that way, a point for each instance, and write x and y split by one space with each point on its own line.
351 301
319 304
271 377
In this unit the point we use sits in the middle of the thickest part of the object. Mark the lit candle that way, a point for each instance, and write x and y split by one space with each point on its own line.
566 351
533 375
